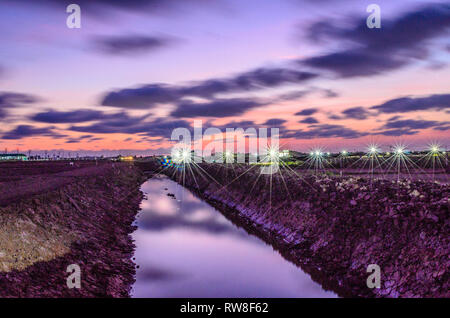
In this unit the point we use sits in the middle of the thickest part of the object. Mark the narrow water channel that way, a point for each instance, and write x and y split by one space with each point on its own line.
186 248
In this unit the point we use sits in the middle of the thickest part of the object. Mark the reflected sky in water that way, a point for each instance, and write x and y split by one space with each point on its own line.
185 248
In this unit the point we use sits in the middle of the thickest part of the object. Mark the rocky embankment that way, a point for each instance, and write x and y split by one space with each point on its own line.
85 218
334 227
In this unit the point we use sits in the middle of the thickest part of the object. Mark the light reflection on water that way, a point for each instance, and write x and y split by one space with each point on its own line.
185 248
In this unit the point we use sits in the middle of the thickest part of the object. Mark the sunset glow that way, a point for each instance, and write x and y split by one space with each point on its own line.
130 75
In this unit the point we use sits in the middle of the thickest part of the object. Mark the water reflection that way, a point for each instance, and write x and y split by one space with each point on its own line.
185 248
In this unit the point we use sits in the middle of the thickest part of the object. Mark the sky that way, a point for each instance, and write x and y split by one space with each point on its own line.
138 69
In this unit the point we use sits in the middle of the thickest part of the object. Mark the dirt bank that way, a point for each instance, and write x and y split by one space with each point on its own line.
335 227
82 217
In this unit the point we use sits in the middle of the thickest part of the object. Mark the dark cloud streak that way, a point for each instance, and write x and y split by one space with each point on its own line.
307 112
58 117
324 131
149 96
309 120
215 108
129 44
14 100
410 104
98 7
356 113
376 51
23 131
413 124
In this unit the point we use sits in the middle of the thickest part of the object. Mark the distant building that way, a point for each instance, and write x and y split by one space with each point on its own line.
284 154
125 158
13 156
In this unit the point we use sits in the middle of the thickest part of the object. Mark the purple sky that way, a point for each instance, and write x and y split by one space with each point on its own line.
137 69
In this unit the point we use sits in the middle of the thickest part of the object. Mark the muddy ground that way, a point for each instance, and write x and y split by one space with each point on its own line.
57 216
335 227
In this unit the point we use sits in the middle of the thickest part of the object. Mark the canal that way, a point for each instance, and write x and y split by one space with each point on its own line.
186 248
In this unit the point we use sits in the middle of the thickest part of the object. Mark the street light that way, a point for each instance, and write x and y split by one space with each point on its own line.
399 150
434 148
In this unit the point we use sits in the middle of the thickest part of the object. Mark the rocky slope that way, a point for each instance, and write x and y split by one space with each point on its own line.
81 217
334 227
